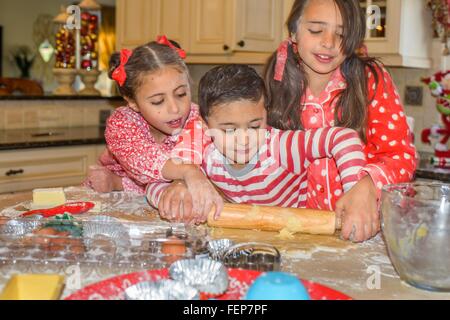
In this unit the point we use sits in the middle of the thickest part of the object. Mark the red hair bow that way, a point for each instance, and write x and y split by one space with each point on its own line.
163 40
120 75
282 55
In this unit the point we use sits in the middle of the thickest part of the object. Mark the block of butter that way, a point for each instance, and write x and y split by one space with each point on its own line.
33 287
48 197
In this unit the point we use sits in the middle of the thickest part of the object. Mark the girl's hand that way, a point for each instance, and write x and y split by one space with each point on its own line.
103 180
358 212
203 193
175 203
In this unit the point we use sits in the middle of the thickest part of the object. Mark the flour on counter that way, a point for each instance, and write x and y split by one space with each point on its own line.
307 254
120 202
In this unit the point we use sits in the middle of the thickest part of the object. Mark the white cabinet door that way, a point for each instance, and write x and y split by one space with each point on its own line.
383 33
44 167
133 23
141 21
211 31
403 35
287 6
211 25
259 25
169 17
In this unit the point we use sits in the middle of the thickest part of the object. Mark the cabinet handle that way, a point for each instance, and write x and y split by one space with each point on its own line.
241 43
14 172
225 47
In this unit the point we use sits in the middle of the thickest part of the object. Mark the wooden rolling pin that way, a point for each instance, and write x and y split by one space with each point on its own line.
243 216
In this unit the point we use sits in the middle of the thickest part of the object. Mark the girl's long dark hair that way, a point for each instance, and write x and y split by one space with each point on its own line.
285 97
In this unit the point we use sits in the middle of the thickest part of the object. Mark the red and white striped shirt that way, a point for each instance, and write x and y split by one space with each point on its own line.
277 175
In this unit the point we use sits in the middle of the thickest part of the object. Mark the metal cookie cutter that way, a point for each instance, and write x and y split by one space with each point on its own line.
253 256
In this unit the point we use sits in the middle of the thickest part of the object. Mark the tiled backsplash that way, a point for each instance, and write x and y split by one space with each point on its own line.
19 114
425 115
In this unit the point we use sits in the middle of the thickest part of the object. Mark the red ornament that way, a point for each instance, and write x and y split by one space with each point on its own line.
85 16
84 31
93 19
86 64
92 28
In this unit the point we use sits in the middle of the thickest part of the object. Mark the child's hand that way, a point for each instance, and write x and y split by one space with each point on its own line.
204 195
103 180
358 212
175 203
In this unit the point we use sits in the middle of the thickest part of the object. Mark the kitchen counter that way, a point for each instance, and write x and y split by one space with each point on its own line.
347 267
429 172
432 173
51 137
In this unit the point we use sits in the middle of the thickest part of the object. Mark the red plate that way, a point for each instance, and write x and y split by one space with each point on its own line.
240 280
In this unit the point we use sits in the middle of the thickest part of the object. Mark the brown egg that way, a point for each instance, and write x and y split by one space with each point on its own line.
77 249
174 249
63 234
43 241
28 240
75 245
101 242
55 248
60 240
43 236
46 232
4 220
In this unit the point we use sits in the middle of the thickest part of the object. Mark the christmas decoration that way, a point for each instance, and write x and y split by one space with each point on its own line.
439 84
441 20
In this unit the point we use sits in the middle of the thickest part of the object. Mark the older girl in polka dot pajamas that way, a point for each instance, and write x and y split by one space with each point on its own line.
316 79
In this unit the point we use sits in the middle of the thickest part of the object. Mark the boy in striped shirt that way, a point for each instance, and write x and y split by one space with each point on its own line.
247 160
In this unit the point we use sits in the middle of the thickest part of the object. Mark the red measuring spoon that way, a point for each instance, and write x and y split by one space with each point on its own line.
71 207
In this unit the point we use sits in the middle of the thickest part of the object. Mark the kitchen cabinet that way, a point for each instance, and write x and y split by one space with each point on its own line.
211 31
259 25
133 23
170 17
287 6
45 167
220 26
402 35
248 31
211 27
141 21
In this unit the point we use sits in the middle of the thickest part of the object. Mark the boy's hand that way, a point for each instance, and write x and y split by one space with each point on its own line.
358 212
103 180
175 203
203 193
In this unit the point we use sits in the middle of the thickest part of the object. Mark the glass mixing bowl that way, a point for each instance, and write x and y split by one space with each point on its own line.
416 227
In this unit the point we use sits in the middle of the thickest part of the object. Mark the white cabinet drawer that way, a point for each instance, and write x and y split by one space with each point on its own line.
44 167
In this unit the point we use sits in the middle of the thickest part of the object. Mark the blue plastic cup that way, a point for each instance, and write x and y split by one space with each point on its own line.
277 286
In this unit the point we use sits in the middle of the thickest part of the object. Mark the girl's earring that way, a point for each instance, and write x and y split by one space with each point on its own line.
295 47
294 43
